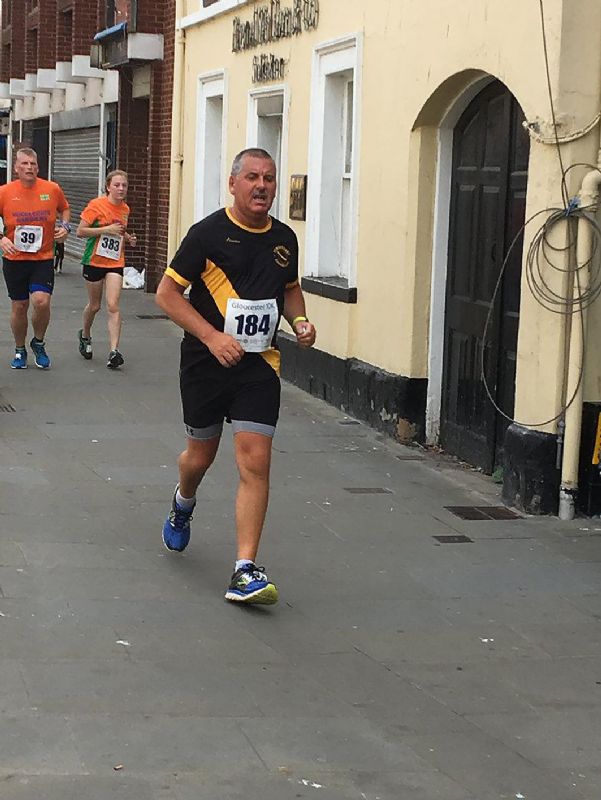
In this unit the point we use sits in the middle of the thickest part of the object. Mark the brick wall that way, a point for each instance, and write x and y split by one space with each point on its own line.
37 35
5 60
133 156
31 50
85 26
17 38
161 97
46 24
64 33
144 145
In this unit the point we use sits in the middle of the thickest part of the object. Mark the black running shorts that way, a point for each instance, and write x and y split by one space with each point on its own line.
25 277
247 395
94 274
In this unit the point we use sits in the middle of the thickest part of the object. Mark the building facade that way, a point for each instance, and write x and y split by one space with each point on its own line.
90 89
413 142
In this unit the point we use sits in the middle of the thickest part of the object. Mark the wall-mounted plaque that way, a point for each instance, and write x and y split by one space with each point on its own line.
298 197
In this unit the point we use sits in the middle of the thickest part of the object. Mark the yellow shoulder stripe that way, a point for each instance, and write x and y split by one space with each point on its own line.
292 285
171 273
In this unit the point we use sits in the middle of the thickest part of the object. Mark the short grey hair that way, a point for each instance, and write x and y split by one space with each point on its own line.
26 151
253 152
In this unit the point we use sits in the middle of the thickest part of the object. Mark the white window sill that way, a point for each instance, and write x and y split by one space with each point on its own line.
205 14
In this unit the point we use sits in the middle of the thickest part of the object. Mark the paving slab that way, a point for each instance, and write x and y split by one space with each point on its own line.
396 666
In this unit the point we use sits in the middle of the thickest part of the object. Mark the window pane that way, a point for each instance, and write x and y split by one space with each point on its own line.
348 143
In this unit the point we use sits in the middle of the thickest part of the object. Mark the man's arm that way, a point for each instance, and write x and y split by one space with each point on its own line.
170 297
7 248
295 315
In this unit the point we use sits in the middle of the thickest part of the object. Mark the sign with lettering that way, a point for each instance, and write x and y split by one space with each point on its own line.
298 197
268 68
272 22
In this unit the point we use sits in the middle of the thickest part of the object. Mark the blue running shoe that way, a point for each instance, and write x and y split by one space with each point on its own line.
39 351
250 584
20 359
176 530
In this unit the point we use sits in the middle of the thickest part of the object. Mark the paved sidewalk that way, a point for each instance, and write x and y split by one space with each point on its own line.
395 667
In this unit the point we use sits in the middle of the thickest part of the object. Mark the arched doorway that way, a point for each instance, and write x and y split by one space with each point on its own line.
487 209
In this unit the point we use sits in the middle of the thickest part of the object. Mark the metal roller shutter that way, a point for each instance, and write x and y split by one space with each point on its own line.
75 164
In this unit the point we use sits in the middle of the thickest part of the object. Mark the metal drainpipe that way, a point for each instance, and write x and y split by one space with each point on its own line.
177 154
589 198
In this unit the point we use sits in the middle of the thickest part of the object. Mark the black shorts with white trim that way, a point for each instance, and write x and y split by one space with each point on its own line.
247 395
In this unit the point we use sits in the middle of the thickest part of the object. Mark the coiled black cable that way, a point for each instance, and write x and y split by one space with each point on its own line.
539 270
541 257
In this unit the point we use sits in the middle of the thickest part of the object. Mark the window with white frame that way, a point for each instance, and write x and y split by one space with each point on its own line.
208 9
332 200
268 129
210 144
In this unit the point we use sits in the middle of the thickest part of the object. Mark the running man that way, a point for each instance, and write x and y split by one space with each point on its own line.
242 269
104 224
36 215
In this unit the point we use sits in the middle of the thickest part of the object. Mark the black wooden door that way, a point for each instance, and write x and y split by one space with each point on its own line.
490 172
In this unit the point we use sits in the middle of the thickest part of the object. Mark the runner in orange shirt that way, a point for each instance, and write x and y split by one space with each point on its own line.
36 215
104 224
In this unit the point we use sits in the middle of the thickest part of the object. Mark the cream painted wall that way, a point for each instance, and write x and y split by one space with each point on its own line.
410 50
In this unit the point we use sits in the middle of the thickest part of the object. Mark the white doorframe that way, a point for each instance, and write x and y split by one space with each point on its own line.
252 137
440 254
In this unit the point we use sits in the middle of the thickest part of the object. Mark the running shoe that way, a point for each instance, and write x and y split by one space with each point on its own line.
176 530
250 584
115 360
39 351
85 345
20 359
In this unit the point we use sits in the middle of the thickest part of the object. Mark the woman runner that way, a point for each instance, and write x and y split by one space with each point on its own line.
104 224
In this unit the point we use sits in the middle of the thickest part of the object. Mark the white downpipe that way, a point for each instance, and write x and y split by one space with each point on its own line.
177 139
589 198
102 149
50 145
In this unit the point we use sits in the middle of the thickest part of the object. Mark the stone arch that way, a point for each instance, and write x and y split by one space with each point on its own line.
430 160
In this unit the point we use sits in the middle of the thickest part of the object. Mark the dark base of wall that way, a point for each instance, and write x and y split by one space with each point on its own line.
530 477
531 481
391 403
588 500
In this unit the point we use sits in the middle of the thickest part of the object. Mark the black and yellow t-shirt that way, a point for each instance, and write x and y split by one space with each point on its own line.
221 260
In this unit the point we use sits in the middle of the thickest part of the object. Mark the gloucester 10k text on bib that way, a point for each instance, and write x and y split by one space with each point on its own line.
252 323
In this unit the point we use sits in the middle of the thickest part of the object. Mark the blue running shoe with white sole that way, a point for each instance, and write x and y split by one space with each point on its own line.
176 530
39 351
250 584
19 359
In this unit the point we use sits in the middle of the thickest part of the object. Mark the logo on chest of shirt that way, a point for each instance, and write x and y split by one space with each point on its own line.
281 255
44 197
232 241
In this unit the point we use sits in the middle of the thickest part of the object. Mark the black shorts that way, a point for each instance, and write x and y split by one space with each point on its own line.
24 277
247 395
95 274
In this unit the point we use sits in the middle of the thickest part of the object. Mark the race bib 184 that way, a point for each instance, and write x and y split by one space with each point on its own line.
252 323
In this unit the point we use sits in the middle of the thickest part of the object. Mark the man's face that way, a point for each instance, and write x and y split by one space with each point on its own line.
254 187
26 167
